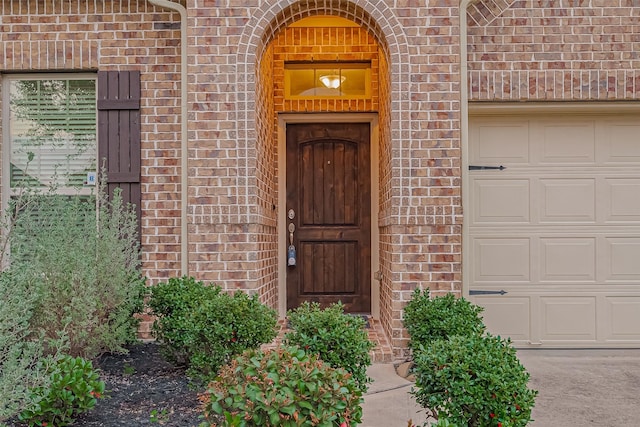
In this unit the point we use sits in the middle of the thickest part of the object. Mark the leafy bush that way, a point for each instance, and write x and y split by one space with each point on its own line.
203 327
87 264
69 282
283 387
474 381
22 353
428 319
73 388
338 338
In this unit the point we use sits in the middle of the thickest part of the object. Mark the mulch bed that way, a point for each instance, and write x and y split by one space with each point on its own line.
142 389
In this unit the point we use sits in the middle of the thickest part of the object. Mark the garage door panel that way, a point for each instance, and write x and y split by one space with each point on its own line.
567 200
501 260
568 318
567 260
566 143
623 318
621 142
506 316
558 230
497 201
623 197
622 256
499 142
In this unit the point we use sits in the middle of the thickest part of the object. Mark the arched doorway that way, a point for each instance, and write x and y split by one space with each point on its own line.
258 131
328 248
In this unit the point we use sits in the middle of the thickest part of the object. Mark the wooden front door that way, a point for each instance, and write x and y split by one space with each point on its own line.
329 198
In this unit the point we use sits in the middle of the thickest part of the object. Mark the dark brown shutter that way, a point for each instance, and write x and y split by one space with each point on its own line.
119 133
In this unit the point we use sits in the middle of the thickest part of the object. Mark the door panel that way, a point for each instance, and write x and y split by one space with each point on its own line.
331 264
554 237
328 188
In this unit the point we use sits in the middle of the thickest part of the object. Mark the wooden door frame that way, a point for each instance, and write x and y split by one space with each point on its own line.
283 120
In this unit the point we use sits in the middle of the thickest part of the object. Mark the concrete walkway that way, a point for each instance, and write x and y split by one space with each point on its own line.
388 402
576 388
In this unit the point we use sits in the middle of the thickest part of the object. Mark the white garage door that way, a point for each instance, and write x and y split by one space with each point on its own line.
558 230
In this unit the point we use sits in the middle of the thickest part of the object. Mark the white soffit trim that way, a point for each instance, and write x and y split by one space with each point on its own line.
582 107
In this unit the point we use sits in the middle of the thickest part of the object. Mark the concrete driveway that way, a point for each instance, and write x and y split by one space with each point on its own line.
576 388
584 387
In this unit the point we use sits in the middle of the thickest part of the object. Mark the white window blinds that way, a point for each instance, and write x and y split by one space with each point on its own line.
52 131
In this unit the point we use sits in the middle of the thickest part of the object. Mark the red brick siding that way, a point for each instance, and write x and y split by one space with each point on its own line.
65 35
541 50
324 44
517 50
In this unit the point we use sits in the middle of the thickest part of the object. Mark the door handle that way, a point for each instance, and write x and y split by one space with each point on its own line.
291 252
483 292
485 168
292 229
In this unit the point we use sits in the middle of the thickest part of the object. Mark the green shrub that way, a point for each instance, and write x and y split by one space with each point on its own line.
338 338
474 381
283 387
23 361
203 327
73 388
69 282
429 319
87 263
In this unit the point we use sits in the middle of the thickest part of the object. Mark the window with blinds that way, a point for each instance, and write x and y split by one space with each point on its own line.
51 138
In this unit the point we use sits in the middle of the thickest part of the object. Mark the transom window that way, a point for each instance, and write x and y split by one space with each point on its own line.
345 80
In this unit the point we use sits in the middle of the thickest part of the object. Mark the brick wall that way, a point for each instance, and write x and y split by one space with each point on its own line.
70 35
267 182
236 167
428 205
541 50
324 44
232 149
518 50
419 132
385 198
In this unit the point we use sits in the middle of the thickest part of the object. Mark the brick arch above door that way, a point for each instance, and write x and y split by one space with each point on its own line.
263 25
377 18
253 50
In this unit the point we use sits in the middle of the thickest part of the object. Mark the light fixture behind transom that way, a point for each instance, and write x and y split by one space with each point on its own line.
332 81
305 80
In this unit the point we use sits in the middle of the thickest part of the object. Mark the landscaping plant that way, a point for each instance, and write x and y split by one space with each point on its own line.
23 362
87 263
73 388
429 319
70 279
203 327
338 338
474 381
283 387
69 282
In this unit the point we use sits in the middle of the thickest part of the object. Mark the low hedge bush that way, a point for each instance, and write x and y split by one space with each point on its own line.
283 387
73 388
203 327
338 338
429 319
474 381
